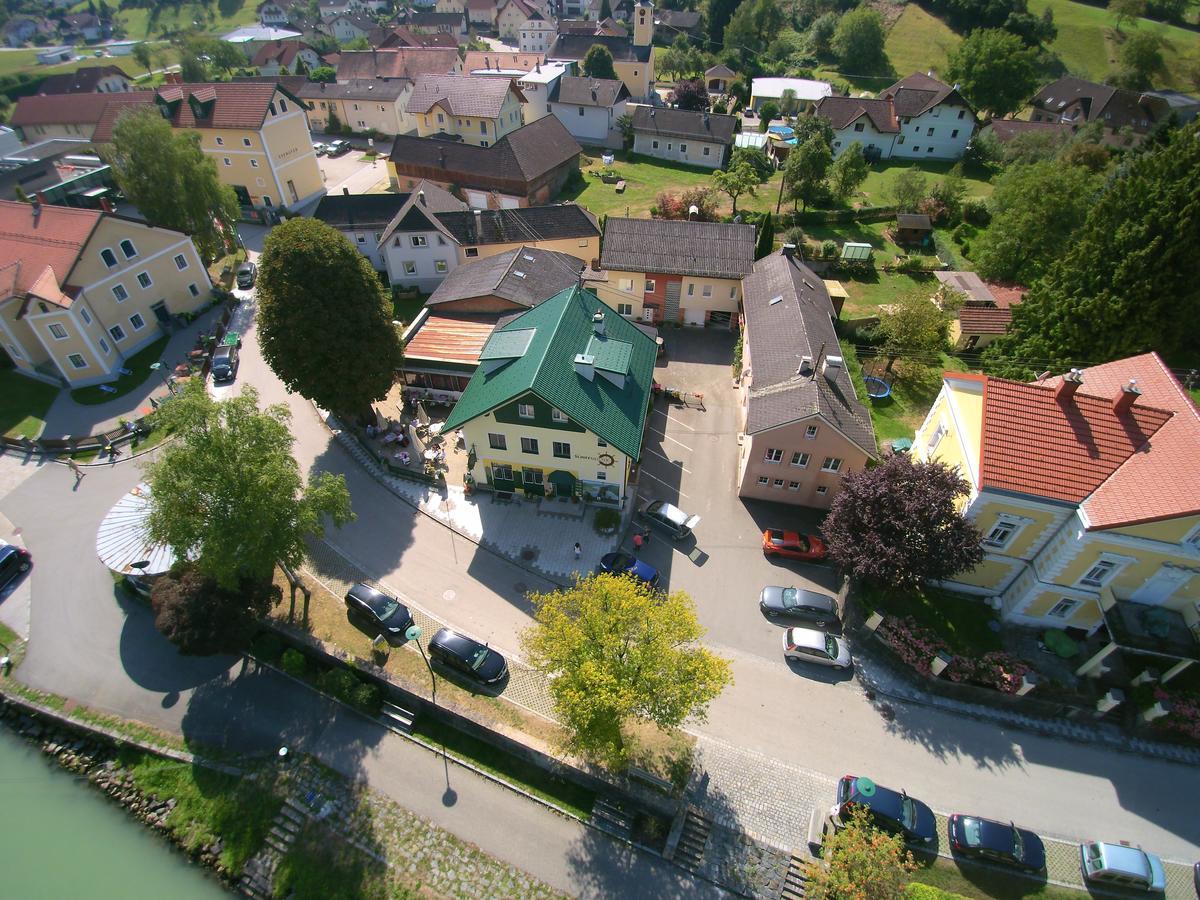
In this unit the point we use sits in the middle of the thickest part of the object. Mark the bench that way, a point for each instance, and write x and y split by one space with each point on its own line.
620 187
649 778
502 496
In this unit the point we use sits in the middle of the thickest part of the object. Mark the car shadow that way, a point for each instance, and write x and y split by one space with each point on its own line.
821 674
474 687
785 622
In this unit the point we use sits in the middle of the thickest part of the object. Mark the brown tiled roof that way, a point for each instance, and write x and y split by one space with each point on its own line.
844 111
234 104
1114 107
282 52
402 62
39 248
70 109
920 221
705 249
522 155
789 316
492 59
1161 481
81 81
578 91
462 95
700 126
1007 129
984 319
1037 444
919 93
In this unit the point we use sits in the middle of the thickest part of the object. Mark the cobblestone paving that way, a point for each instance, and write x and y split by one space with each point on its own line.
525 687
417 851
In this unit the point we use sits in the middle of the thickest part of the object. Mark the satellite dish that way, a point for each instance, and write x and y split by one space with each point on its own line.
865 786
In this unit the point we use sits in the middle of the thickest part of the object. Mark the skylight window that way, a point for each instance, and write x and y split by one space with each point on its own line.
775 300
528 257
519 273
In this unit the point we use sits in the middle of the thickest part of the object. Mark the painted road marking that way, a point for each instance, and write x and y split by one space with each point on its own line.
660 481
663 434
673 462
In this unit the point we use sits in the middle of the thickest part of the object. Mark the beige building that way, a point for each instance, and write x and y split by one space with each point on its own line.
81 290
680 135
480 111
802 426
43 117
633 57
363 105
666 271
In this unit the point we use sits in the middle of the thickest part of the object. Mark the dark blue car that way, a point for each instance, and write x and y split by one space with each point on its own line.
996 842
892 811
621 562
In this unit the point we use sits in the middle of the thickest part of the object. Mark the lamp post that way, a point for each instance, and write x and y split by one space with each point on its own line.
413 633
158 367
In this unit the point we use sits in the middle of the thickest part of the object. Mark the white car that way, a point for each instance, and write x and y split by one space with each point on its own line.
812 646
320 148
671 519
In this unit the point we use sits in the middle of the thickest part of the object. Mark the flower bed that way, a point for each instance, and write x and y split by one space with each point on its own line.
917 646
1184 717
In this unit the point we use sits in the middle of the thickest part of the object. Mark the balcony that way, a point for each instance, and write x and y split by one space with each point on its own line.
1145 630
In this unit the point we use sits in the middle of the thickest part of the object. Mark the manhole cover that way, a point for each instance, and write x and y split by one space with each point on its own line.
449 595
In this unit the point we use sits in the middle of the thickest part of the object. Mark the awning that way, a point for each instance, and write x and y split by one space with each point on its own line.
121 541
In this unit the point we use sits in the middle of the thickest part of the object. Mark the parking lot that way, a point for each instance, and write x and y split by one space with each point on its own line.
351 171
690 459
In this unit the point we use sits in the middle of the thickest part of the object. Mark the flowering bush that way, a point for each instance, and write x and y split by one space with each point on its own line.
1184 717
917 645
999 670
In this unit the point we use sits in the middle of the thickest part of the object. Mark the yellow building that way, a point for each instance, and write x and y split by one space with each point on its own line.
1086 489
361 104
81 290
480 110
633 57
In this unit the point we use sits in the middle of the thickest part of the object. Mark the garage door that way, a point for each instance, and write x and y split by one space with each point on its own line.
509 203
477 200
693 317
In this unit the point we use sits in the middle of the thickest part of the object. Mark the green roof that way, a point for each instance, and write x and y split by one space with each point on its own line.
507 344
562 329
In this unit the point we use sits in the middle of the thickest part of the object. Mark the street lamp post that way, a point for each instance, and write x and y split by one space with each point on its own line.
413 633
158 367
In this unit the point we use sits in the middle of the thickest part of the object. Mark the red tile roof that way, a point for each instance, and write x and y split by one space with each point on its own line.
1063 449
42 248
984 319
235 104
1163 480
70 109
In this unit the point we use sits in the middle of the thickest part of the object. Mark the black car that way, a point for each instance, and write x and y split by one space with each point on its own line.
892 811
246 274
996 842
796 603
13 561
225 363
379 610
466 655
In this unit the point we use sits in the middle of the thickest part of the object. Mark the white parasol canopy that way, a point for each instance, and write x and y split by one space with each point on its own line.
121 540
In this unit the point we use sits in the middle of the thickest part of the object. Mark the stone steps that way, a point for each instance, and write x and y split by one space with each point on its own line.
607 816
793 881
690 850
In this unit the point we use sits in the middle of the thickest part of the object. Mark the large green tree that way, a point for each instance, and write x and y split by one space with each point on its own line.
908 188
1141 59
860 862
858 42
1129 281
1125 12
717 15
805 170
1035 211
738 179
174 184
201 618
849 170
913 327
752 27
228 491
324 322
144 54
598 63
994 70
615 650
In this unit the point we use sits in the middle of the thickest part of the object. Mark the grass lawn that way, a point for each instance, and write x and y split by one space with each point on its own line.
962 622
139 370
644 178
884 172
321 864
869 290
899 415
986 882
210 804
224 270
864 233
23 404
407 309
14 62
214 18
1086 44
919 42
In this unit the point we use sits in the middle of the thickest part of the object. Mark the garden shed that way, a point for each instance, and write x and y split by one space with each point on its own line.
912 228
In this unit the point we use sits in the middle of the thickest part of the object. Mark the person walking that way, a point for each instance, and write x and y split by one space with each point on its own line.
578 549
112 451
637 541
74 466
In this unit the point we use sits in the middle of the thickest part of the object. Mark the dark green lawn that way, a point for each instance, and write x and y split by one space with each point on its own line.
23 404
139 367
962 622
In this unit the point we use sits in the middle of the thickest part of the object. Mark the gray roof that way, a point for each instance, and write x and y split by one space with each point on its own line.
370 212
685 123
525 275
461 95
705 249
382 89
779 335
914 220
579 91
679 18
528 223
576 46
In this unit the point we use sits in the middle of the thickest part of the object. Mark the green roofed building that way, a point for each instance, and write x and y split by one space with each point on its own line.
559 401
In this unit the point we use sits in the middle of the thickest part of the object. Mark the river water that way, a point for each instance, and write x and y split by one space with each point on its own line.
60 837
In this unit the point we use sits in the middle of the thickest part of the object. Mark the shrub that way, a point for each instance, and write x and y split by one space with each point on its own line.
976 212
829 249
338 683
294 663
367 698
794 235
607 517
267 646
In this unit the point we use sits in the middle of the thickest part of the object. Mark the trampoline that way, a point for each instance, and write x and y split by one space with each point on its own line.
877 388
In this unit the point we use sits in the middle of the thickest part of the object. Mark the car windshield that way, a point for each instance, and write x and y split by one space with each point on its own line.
384 606
479 656
802 543
789 598
1018 845
831 646
776 536
908 813
971 829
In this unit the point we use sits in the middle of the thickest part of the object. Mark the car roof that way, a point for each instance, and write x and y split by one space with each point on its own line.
994 835
807 637
224 352
814 599
643 570
672 513
884 800
452 640
366 593
1131 860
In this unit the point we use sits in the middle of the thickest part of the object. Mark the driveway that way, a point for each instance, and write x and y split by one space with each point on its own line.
351 173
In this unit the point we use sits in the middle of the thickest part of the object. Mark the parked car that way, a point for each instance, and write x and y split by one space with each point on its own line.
996 842
622 562
337 148
247 274
13 562
468 656
379 610
892 811
793 545
797 603
1121 865
225 363
320 149
671 519
812 646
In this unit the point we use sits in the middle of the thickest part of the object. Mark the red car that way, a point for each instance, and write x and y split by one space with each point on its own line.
792 545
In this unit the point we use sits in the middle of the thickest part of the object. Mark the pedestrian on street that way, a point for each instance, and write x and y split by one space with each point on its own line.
637 542
74 466
578 549
112 452
646 535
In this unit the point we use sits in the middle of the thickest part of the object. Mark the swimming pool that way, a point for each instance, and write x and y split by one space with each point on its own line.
782 130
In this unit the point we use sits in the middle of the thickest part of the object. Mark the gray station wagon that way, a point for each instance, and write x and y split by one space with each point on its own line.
671 519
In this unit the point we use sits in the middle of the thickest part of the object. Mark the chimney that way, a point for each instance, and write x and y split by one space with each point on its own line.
831 368
421 197
36 203
789 251
1126 397
598 322
322 87
806 366
345 191
1069 385
585 365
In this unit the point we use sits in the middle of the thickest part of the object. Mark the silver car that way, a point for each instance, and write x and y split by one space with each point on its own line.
671 519
1121 865
812 646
